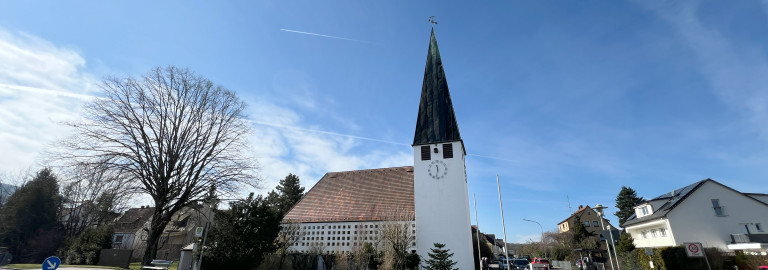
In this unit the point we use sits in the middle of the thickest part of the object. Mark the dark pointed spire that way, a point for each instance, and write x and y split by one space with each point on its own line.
436 122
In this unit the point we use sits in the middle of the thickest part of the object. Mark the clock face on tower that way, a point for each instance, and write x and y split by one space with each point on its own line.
437 169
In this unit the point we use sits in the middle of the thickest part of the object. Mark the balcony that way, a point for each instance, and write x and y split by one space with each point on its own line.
749 238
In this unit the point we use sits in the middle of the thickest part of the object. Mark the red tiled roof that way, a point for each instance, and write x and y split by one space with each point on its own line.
364 195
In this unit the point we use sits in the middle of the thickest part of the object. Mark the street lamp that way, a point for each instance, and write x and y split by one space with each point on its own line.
542 235
599 208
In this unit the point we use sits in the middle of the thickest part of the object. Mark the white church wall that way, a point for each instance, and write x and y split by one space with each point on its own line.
339 237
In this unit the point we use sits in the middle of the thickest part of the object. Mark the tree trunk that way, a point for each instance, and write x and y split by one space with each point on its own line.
153 236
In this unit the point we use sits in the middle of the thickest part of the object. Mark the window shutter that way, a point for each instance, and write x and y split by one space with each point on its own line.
425 155
448 150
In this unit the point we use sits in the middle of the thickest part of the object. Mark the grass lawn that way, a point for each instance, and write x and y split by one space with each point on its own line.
136 265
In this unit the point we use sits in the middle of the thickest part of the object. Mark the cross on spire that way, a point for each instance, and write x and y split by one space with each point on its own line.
432 20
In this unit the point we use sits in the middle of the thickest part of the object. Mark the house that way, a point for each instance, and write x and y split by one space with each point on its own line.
347 209
591 220
707 212
588 216
180 231
129 229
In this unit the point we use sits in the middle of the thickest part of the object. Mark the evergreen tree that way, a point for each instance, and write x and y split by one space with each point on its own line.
579 231
626 243
288 193
28 220
625 202
440 259
243 234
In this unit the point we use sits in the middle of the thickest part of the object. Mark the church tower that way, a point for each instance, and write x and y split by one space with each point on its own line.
440 179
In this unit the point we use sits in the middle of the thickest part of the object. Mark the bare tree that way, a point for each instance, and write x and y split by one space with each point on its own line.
290 234
398 237
172 133
91 195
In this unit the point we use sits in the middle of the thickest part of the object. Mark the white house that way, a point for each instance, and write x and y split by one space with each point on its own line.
707 212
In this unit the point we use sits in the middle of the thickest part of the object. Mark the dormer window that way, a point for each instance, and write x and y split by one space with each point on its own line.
643 210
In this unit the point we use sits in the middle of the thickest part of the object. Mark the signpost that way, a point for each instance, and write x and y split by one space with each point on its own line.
649 252
695 250
51 263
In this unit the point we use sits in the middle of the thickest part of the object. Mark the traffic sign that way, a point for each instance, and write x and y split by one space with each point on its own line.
694 250
51 263
199 232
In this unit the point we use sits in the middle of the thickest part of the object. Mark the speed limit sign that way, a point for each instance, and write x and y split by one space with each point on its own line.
694 250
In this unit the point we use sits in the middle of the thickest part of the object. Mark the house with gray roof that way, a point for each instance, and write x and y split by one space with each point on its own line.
707 212
129 229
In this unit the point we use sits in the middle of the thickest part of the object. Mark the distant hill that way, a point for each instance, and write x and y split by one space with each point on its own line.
6 190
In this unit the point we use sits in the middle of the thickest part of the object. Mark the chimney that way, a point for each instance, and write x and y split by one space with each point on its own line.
581 206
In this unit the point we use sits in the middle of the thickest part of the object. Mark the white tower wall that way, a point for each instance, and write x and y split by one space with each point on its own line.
442 205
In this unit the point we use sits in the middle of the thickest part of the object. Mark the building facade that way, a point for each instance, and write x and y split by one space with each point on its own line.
588 217
707 212
345 210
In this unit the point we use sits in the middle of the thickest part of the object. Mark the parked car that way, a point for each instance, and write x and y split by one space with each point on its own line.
520 264
501 264
541 261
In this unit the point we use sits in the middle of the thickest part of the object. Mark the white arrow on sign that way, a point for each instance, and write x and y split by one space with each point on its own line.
51 265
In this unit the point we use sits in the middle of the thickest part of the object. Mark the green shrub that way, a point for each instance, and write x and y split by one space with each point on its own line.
85 248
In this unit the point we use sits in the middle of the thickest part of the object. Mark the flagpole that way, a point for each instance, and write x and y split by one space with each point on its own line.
503 226
477 233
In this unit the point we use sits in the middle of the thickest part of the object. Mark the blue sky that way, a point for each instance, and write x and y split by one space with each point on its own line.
561 99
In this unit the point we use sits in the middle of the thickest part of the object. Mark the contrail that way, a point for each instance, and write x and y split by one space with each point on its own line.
321 35
326 132
359 137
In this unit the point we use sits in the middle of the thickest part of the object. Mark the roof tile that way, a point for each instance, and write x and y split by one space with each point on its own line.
363 195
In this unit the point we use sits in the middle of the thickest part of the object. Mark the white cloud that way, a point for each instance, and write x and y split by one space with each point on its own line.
285 145
41 85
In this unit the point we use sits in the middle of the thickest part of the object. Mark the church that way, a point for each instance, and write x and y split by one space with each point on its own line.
345 210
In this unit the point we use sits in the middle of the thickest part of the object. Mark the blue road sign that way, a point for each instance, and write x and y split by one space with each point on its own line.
51 263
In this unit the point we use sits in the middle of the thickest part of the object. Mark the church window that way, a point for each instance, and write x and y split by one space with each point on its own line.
448 150
425 155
